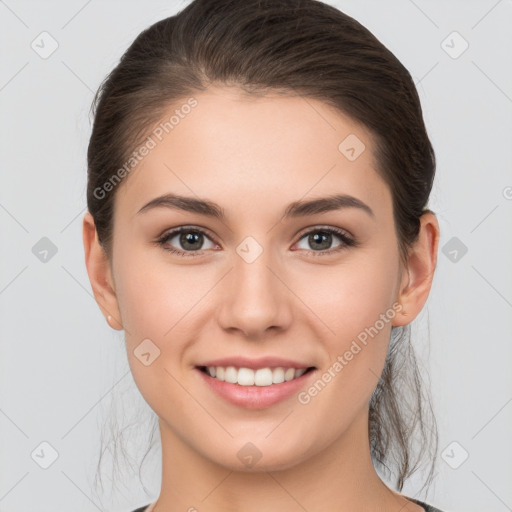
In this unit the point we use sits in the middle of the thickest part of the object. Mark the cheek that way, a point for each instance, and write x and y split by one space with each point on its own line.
162 303
357 307
156 298
355 302
350 297
157 309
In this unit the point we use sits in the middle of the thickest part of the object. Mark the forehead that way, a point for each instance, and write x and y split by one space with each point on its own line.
253 151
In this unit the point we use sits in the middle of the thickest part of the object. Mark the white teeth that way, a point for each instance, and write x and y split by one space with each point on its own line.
246 377
277 375
231 375
289 374
262 377
249 377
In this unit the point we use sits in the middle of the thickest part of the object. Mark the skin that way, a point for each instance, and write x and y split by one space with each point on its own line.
253 156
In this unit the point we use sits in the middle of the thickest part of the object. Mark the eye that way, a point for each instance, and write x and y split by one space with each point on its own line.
189 241
321 240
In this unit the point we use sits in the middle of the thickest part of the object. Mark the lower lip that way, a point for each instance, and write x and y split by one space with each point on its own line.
255 397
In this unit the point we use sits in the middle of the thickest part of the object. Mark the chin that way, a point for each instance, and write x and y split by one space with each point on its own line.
250 459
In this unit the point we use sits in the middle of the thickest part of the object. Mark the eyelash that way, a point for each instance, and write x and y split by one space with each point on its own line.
346 240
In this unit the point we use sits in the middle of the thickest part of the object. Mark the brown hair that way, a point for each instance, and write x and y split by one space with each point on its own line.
293 47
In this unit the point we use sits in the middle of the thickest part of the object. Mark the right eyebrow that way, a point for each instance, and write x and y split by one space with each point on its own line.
188 204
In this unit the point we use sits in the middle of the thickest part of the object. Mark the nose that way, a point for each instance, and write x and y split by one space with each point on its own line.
256 299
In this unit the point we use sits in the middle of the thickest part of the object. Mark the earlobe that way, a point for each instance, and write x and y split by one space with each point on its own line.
418 275
114 323
100 276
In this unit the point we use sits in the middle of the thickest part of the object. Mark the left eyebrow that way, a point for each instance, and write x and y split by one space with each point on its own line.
295 209
326 204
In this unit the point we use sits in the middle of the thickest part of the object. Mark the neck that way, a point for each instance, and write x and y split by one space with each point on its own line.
341 477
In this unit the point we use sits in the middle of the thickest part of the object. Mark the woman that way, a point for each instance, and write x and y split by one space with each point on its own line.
258 179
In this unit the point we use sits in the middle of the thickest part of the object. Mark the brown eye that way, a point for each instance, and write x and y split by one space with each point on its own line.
320 241
185 241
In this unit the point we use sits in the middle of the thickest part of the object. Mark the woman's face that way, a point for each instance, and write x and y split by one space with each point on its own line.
257 283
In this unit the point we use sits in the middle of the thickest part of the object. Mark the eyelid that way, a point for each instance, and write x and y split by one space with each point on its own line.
325 227
187 227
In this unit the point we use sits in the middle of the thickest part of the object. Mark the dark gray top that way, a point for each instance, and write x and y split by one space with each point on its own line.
428 508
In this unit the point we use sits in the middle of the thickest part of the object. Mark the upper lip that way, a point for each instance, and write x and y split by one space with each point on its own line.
254 364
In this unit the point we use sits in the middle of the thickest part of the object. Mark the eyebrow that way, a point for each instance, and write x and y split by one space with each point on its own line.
295 209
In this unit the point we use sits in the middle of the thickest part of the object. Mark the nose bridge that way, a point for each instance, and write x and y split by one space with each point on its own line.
257 299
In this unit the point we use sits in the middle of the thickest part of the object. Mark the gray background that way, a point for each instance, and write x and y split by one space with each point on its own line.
61 365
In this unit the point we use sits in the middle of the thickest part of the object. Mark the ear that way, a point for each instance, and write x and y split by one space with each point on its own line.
419 271
100 275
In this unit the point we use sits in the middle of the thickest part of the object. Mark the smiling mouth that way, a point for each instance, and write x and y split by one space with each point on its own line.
249 377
